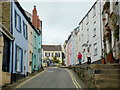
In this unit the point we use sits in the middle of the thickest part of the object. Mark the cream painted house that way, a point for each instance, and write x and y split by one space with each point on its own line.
30 43
50 51
30 47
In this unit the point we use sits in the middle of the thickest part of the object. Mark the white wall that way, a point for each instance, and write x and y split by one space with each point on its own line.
92 40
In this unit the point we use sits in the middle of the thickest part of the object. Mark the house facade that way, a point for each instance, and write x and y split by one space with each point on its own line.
19 65
37 40
30 47
19 50
52 51
6 38
91 33
76 45
72 47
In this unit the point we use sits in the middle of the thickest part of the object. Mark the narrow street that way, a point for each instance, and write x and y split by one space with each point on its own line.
53 77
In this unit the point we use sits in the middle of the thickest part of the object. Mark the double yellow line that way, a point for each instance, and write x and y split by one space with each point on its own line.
74 80
23 83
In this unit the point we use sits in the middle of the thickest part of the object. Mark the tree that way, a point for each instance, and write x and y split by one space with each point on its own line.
55 60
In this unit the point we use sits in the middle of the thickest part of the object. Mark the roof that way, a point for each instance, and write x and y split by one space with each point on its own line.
88 12
51 47
26 17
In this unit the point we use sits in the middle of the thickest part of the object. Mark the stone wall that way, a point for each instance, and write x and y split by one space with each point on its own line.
86 74
6 14
99 75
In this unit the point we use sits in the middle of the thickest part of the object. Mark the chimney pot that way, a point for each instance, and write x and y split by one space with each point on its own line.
34 6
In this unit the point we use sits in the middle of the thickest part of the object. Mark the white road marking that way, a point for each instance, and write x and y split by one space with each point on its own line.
54 67
49 71
74 80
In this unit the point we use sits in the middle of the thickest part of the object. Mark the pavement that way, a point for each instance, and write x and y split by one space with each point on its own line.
52 78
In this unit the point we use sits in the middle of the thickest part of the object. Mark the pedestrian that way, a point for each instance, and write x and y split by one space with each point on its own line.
79 58
88 57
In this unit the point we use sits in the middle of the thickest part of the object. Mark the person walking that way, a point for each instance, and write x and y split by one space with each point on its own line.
88 57
79 58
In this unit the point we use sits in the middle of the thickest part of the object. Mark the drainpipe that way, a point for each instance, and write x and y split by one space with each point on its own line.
12 43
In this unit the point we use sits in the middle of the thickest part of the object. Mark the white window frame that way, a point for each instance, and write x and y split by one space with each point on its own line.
19 58
17 22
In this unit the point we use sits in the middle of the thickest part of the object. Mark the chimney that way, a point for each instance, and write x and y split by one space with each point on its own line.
38 23
34 17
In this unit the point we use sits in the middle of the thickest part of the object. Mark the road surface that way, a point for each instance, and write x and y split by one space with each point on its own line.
52 77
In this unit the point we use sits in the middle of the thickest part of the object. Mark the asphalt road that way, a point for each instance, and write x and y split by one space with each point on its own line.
52 78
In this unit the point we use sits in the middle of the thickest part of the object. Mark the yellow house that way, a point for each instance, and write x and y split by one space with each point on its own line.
50 51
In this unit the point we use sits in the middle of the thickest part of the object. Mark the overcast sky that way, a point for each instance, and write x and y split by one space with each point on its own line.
59 18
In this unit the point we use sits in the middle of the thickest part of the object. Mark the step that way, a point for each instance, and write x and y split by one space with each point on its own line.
107 71
107 76
107 82
105 66
108 87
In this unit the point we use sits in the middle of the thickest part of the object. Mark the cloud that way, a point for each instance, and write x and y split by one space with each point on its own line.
59 19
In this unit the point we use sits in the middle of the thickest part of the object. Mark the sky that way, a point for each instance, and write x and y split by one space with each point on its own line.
59 17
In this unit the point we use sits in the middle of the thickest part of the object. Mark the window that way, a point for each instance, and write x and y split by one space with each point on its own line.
82 25
94 32
52 54
45 54
87 34
58 54
19 58
87 20
94 22
94 11
17 22
35 42
82 39
24 30
48 54
95 49
34 61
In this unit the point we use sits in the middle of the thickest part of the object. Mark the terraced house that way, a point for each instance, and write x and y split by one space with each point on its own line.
37 41
6 38
52 51
21 47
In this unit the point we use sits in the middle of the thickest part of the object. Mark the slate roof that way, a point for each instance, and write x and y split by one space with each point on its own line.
51 47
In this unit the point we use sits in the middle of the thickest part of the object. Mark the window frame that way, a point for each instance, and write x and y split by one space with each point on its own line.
20 61
17 22
25 33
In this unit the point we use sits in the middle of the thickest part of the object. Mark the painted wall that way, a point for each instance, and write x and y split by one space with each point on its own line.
36 54
21 41
1 57
30 47
51 57
87 36
69 52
